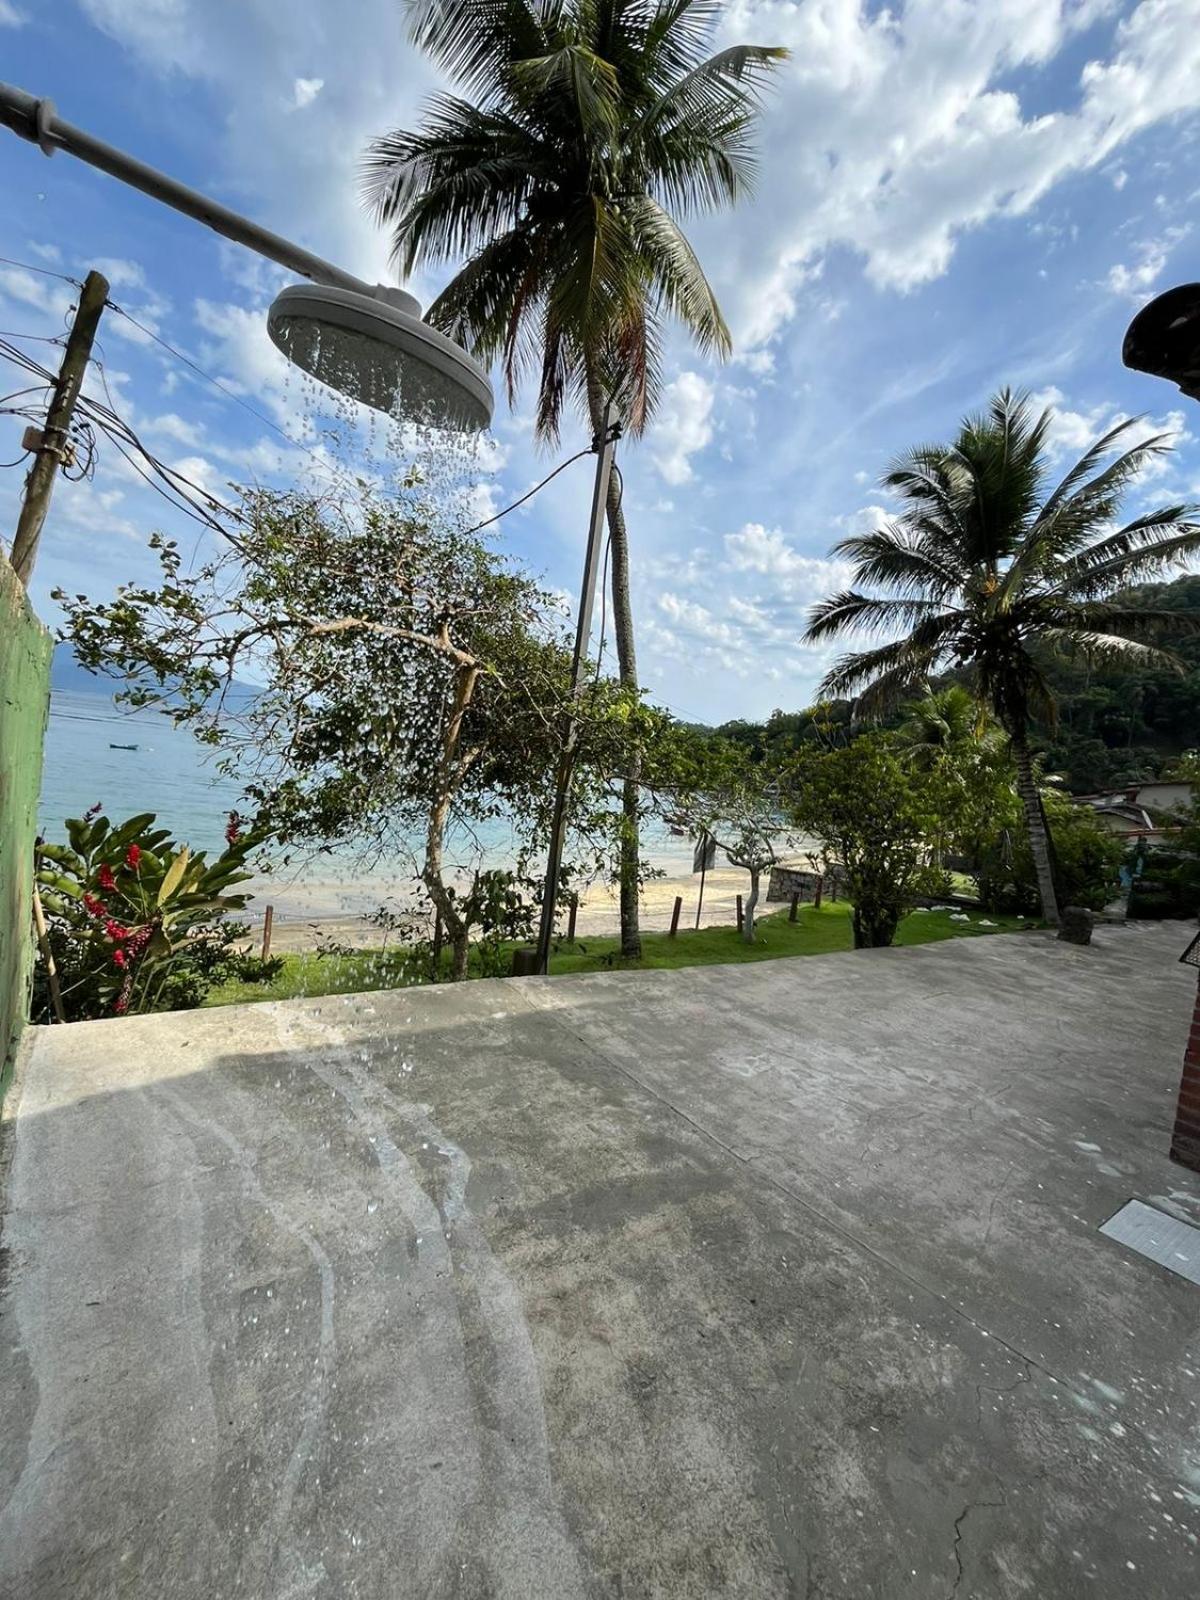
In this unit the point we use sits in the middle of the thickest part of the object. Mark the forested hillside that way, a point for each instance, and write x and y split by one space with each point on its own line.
1116 724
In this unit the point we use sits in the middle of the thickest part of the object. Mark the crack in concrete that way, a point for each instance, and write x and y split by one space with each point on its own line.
971 1505
1006 1388
996 1198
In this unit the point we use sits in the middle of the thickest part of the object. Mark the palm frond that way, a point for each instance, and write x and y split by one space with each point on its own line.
1101 648
881 677
850 610
593 126
589 82
476 41
1141 549
903 558
673 266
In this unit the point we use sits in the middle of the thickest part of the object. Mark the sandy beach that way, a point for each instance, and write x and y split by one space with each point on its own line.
300 926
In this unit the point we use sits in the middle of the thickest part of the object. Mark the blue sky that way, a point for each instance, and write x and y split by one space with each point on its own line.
953 195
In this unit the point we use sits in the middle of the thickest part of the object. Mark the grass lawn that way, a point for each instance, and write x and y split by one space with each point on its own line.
814 933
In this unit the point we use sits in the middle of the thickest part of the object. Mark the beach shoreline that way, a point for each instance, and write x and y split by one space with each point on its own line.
295 930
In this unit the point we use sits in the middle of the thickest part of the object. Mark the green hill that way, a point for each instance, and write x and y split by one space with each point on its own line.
1116 724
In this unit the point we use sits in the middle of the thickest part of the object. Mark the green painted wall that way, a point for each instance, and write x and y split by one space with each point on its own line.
25 650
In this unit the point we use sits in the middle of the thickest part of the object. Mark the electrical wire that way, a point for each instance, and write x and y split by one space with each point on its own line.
179 490
45 272
562 466
229 393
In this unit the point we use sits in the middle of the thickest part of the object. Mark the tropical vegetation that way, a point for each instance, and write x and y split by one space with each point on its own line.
134 922
582 135
991 565
414 685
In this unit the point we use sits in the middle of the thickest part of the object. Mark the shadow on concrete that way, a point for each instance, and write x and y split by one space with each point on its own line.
751 1281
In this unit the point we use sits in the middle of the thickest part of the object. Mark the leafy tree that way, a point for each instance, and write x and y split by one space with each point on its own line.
1087 858
137 923
414 682
985 571
718 789
584 130
947 736
874 819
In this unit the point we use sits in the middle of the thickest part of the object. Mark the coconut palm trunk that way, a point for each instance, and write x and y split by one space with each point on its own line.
629 850
1035 824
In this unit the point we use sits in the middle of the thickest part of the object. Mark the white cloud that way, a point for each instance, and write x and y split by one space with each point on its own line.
690 617
1136 279
1072 432
169 425
893 132
10 17
121 274
682 426
754 548
305 91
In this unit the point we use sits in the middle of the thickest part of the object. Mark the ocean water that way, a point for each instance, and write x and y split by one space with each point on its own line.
174 776
168 773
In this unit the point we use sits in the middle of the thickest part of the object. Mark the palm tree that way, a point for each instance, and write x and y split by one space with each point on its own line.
939 724
585 130
985 571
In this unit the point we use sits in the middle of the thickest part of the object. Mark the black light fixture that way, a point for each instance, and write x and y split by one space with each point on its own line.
1164 339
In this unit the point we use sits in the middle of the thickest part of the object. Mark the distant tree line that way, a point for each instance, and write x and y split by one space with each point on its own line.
1119 722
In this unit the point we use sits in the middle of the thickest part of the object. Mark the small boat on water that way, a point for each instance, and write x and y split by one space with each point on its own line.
112 746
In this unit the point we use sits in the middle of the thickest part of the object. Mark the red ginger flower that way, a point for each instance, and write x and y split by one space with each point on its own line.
93 906
132 856
115 930
120 959
233 828
105 877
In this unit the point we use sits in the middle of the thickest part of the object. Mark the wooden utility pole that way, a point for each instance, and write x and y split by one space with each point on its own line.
52 451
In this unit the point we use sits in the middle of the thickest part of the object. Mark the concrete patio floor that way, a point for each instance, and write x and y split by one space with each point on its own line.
758 1281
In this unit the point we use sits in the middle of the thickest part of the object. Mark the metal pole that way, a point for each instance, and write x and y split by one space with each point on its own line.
605 445
36 120
50 453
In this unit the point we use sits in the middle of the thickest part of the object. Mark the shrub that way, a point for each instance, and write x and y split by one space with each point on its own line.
1087 862
137 923
875 818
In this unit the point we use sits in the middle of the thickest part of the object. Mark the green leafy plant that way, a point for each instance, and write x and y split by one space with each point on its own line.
136 922
1087 859
994 570
875 818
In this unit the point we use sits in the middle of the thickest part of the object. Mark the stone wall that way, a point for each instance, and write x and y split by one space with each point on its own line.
787 881
25 650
